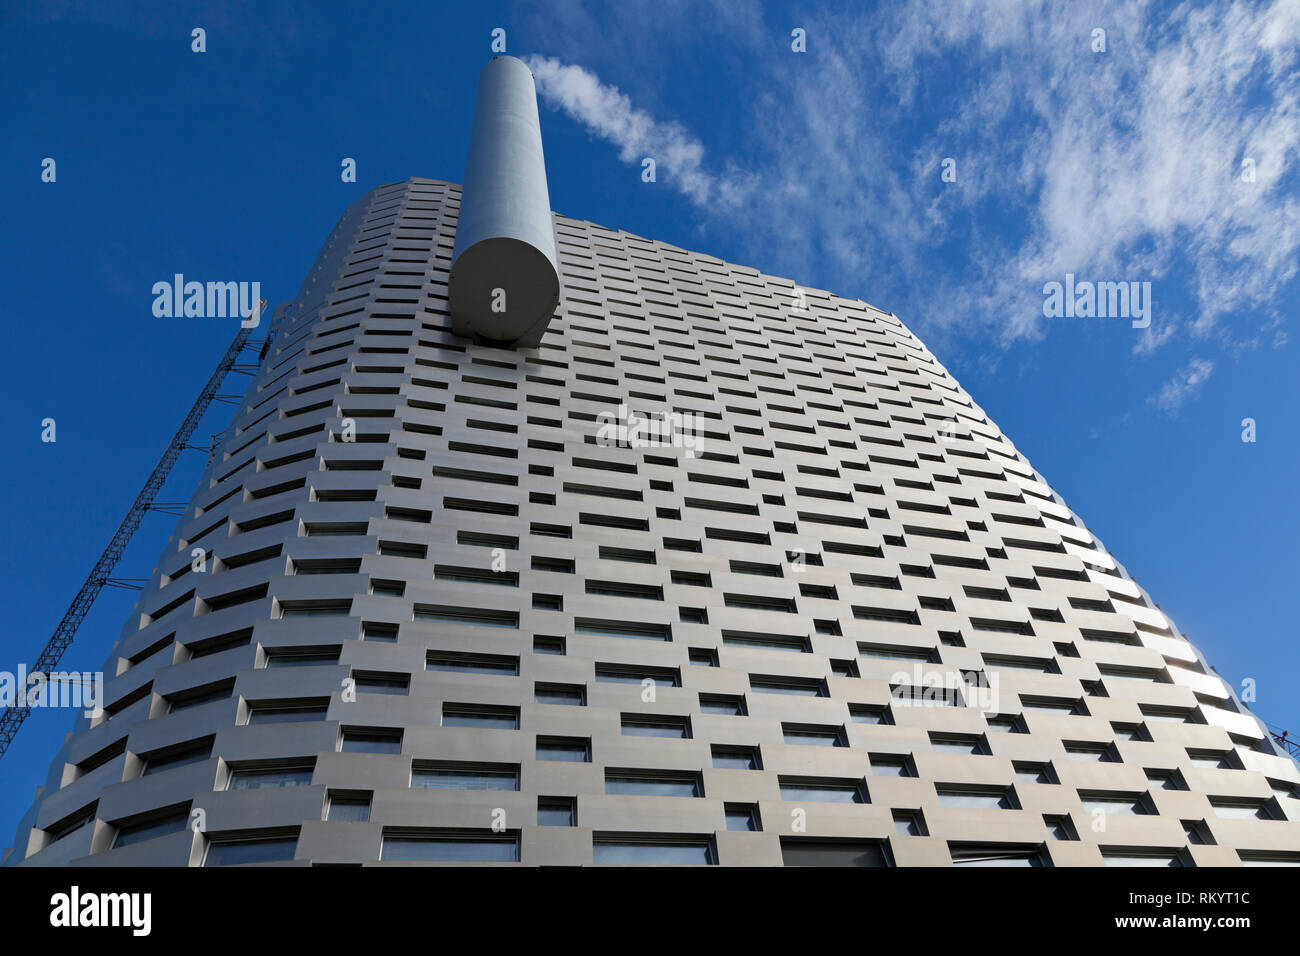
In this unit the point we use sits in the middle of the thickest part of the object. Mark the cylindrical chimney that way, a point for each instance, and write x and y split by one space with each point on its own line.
504 283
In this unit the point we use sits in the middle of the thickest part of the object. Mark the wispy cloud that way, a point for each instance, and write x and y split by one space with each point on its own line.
1183 386
1168 157
1126 163
609 114
1153 336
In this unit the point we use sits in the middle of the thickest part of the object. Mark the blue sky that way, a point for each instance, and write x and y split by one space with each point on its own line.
1169 157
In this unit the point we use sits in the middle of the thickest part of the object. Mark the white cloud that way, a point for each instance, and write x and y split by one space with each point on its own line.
1155 335
1183 386
609 114
1136 151
1117 165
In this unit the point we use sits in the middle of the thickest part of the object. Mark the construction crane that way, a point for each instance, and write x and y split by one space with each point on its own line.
1284 740
101 574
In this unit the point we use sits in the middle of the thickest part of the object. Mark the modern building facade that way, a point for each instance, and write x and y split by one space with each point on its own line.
725 570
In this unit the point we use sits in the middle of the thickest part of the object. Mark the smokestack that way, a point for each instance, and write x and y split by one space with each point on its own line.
504 283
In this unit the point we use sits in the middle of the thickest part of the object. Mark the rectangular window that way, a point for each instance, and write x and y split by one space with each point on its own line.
270 778
1268 858
692 579
626 589
1050 705
1241 809
1059 827
397 549
875 581
371 742
654 783
1031 772
795 686
499 717
995 854
742 817
885 615
348 809
548 644
285 713
557 565
333 530
908 823
1002 627
771 642
1005 723
467 663
568 749
1006 662
1116 672
976 798
731 757
703 657
452 847
897 652
187 700
722 704
1167 715
638 674
891 765
483 539
384 633
816 735
647 850
319 609
1210 759
217 645
178 758
956 744
1117 803
397 684
550 530
760 602
630 629
557 812
222 852
822 790
572 695
305 657
868 714
626 554
465 777
1089 752
653 725
803 851
1126 856
447 572
148 830
71 825
1128 731
479 617
682 544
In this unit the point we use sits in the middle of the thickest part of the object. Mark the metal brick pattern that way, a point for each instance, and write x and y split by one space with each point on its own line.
483 614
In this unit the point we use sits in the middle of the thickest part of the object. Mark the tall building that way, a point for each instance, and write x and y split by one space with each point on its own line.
722 570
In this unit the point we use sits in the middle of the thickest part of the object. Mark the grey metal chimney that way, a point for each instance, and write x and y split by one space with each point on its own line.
504 283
